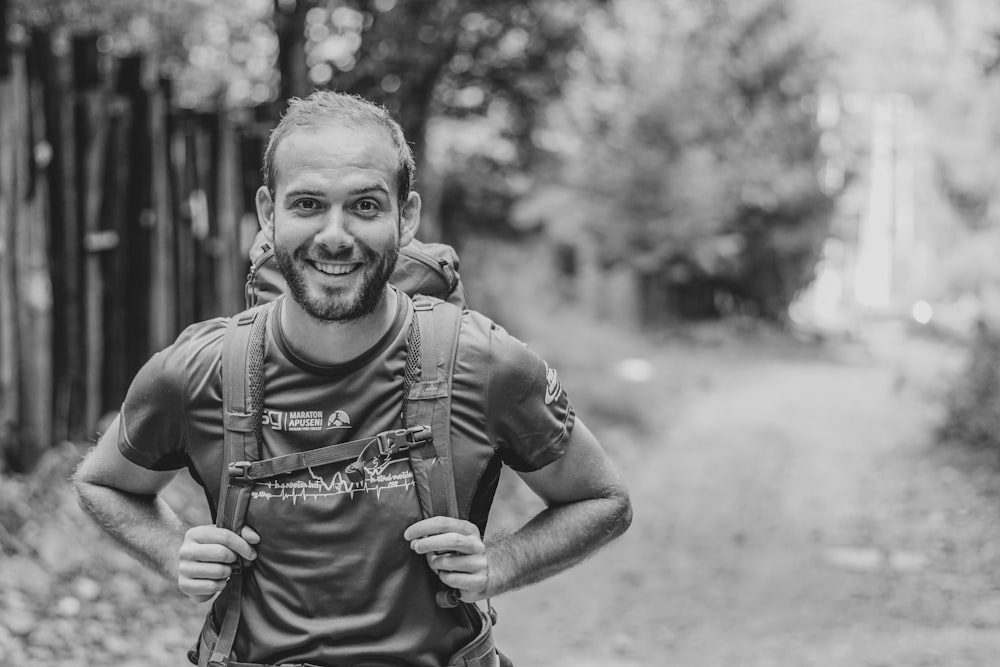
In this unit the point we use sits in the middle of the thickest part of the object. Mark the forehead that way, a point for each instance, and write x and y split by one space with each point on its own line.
336 151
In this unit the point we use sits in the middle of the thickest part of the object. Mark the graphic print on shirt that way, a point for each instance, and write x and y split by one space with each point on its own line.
339 419
305 420
379 479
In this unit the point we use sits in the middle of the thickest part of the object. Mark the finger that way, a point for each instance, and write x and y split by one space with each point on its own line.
464 544
250 535
471 587
196 570
436 525
200 589
456 563
209 553
227 538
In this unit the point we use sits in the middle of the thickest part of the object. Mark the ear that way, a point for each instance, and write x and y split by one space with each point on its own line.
265 211
409 219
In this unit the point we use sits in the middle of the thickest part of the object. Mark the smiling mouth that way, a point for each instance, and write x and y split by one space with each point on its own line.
334 269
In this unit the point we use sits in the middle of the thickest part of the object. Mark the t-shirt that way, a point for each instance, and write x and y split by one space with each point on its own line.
334 582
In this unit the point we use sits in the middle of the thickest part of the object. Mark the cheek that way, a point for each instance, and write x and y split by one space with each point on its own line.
291 235
378 238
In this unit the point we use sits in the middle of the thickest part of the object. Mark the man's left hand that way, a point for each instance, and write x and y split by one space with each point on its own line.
455 552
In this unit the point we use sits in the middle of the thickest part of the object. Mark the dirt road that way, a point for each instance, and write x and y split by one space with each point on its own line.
791 511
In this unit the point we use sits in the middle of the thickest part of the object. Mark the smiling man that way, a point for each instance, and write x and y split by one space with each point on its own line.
336 223
340 562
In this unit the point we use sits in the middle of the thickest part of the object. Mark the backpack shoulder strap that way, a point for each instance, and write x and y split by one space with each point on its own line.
431 350
432 347
242 400
242 404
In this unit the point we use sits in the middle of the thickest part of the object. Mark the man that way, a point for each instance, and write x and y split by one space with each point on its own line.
342 575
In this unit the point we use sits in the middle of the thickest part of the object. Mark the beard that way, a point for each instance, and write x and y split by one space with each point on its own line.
327 304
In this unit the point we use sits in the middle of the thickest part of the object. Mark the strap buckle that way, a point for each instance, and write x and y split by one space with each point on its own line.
385 444
401 440
239 472
418 435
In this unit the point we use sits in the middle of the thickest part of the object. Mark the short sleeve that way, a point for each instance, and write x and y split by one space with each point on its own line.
153 414
529 415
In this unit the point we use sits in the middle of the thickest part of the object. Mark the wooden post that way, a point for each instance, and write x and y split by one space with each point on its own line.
163 310
34 241
93 116
229 249
204 221
119 327
137 226
10 141
185 183
66 249
5 46
290 25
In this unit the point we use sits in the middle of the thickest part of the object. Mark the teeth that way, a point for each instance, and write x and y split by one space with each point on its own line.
334 269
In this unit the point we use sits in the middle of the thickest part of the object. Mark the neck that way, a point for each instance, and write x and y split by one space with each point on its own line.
327 343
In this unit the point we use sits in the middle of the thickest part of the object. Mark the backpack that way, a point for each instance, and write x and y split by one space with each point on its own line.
422 268
425 437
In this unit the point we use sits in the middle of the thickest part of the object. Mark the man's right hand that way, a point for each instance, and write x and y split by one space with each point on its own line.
206 558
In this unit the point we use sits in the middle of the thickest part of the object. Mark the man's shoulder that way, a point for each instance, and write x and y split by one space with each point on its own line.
488 347
482 329
483 342
195 351
201 337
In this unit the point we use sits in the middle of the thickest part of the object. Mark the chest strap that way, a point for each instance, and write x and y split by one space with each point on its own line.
364 450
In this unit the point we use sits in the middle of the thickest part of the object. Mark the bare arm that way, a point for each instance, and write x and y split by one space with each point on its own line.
588 506
124 499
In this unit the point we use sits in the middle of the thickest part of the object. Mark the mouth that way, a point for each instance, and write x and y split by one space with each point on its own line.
334 268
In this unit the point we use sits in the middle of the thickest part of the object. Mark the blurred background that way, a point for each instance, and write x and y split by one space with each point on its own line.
755 237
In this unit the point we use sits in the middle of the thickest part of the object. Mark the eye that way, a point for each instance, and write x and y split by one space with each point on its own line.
305 205
367 207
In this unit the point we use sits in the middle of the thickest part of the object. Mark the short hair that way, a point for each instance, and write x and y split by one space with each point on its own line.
327 106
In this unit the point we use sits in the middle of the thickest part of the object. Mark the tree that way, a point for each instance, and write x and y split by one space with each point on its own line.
219 54
498 63
694 123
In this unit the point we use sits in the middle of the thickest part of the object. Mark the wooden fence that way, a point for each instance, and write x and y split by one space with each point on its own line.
122 219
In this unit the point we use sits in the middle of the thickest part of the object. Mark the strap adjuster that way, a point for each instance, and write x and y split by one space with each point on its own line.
423 304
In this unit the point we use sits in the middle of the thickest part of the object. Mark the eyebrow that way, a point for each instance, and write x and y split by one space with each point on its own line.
370 188
352 193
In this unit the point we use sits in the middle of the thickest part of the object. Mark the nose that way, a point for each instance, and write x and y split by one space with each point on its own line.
334 233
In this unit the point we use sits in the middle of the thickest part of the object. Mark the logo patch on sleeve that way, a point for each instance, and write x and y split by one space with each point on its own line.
552 387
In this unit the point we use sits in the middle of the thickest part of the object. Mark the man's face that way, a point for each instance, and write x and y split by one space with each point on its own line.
335 218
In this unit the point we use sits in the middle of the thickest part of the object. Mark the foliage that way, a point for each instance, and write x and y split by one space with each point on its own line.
686 128
964 144
698 121
486 71
464 58
973 401
219 53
